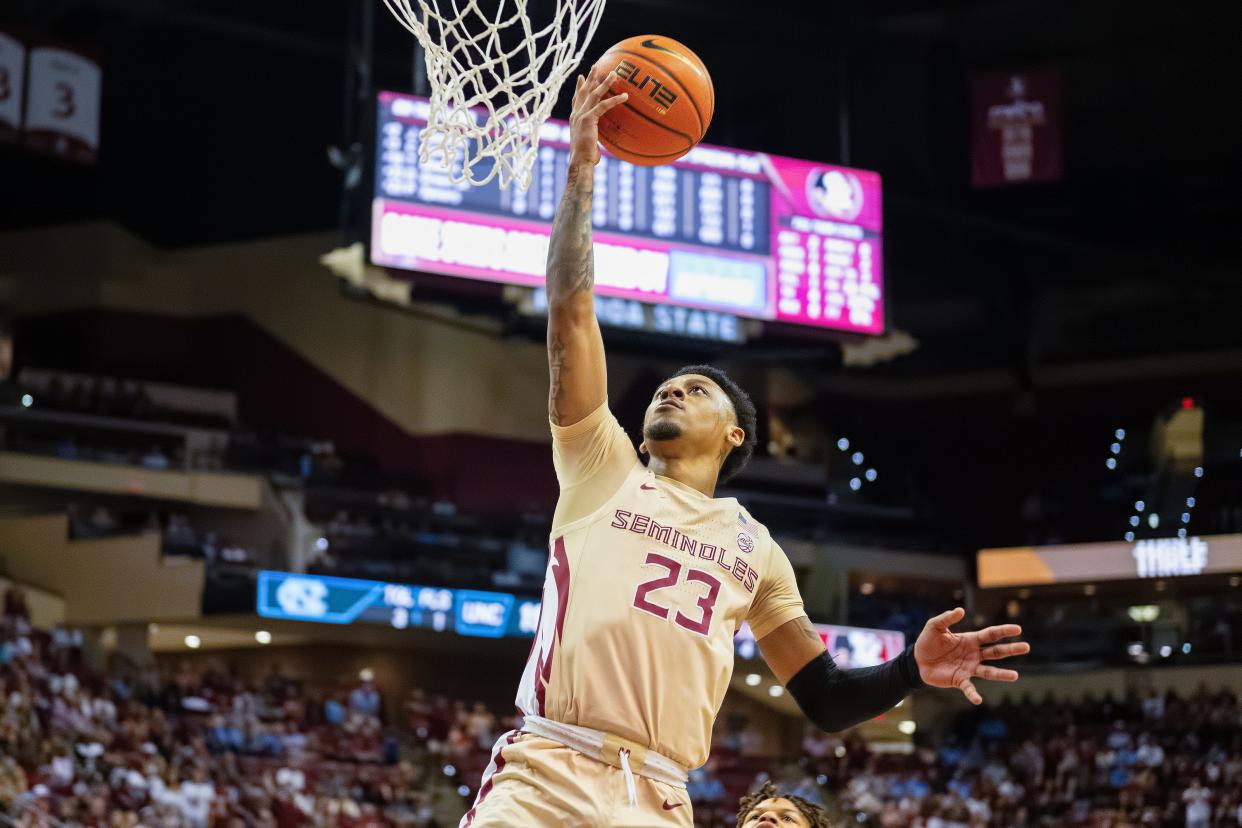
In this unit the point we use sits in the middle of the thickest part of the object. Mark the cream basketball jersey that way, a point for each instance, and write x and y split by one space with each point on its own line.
647 582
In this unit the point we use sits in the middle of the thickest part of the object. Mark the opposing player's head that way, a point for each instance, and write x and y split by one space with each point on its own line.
700 411
769 808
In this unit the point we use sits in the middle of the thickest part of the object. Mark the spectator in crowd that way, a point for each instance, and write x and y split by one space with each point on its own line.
365 699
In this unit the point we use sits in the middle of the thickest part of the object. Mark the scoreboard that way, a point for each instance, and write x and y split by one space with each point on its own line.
752 234
330 600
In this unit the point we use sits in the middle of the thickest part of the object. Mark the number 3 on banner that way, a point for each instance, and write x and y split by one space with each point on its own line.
707 603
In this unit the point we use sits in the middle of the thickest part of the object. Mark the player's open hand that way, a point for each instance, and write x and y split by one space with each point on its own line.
592 99
949 659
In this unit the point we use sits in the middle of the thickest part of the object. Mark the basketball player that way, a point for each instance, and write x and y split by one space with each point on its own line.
649 577
769 807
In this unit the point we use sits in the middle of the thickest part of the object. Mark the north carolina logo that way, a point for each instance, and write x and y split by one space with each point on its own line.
745 542
303 597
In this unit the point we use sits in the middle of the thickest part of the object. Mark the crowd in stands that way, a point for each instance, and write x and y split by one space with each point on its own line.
1158 759
392 535
177 534
191 749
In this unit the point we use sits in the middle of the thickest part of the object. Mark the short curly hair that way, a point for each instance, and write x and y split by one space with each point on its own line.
743 409
816 816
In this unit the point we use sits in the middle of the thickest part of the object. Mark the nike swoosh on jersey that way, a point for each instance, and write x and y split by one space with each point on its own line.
647 488
668 807
651 44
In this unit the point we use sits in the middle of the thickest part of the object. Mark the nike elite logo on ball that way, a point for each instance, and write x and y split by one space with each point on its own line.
651 44
668 807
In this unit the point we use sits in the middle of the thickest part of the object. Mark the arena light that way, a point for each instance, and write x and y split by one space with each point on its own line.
1140 505
1198 471
840 751
1134 520
1111 462
866 587
1120 434
1185 517
776 691
1153 520
27 401
753 679
1134 649
1181 533
1115 448
843 444
858 458
193 642
907 727
1143 613
1166 651
449 770
871 475
322 544
1129 537
263 637
1186 648
366 674
855 483
1190 502
462 790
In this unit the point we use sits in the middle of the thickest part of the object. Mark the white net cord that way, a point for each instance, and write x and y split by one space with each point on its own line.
494 79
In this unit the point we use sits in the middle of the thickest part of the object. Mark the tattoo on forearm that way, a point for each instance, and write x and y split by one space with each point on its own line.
571 260
556 364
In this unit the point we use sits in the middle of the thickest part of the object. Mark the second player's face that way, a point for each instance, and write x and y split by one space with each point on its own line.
775 813
691 411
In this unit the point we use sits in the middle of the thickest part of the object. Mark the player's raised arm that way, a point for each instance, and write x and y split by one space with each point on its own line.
575 346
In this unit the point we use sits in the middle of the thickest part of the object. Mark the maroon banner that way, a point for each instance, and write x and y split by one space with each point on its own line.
1016 127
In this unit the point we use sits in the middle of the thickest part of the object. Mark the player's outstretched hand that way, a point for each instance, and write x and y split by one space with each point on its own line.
589 104
949 659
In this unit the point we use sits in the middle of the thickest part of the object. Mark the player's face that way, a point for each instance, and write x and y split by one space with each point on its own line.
777 813
690 415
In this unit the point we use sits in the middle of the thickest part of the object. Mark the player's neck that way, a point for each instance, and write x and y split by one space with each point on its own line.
700 473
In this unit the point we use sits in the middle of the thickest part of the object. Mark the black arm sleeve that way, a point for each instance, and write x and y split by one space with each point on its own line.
836 699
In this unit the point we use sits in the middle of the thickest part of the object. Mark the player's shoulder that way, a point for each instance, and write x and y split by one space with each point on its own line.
752 532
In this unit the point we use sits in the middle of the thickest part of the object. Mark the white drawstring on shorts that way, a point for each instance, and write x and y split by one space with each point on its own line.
630 787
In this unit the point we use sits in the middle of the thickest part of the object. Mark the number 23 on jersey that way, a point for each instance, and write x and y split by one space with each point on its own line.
647 598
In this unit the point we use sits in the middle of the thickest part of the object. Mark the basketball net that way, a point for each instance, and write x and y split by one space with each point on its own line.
494 79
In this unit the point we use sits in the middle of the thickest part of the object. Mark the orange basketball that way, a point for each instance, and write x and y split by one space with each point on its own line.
670 105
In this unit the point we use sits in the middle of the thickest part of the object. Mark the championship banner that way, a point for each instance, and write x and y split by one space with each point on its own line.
1082 562
1016 127
62 108
12 87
